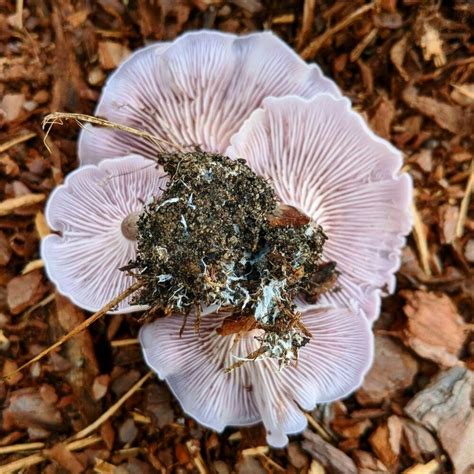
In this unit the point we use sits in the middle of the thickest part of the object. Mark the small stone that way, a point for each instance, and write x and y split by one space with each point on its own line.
30 105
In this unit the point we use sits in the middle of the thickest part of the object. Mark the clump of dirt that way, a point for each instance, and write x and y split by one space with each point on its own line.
219 237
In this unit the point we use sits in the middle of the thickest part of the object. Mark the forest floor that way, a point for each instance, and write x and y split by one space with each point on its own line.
408 67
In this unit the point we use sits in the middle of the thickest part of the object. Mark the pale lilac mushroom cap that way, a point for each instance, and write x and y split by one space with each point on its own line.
94 214
196 91
330 366
252 97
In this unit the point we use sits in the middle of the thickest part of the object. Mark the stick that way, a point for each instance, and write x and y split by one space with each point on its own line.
85 324
318 42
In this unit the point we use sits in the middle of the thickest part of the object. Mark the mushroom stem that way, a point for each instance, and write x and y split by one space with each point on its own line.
85 324
129 226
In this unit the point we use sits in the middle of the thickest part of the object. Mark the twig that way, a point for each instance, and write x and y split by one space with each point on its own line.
124 342
85 324
10 205
465 203
307 23
319 429
107 414
37 458
16 141
14 448
310 50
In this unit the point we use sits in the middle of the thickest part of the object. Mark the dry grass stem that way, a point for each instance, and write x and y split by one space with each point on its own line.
16 141
419 233
465 203
124 342
10 205
311 50
107 414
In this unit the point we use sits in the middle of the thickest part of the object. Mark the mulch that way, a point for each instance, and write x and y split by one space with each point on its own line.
408 67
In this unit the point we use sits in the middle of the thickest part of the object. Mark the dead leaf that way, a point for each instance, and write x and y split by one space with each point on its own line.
448 217
445 408
434 329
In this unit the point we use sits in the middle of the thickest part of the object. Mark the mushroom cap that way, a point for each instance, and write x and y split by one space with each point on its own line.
329 367
196 91
323 159
88 211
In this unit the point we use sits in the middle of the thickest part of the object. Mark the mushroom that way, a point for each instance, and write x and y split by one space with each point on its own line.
94 214
329 367
212 90
196 91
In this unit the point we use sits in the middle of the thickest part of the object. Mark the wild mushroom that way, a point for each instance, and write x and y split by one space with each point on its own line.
94 214
204 90
329 367
196 91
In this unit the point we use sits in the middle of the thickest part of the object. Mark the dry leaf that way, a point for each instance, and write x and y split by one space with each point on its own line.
397 55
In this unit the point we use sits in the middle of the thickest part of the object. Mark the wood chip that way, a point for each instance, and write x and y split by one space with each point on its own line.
334 460
25 290
393 371
448 117
111 54
444 407
434 329
386 441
